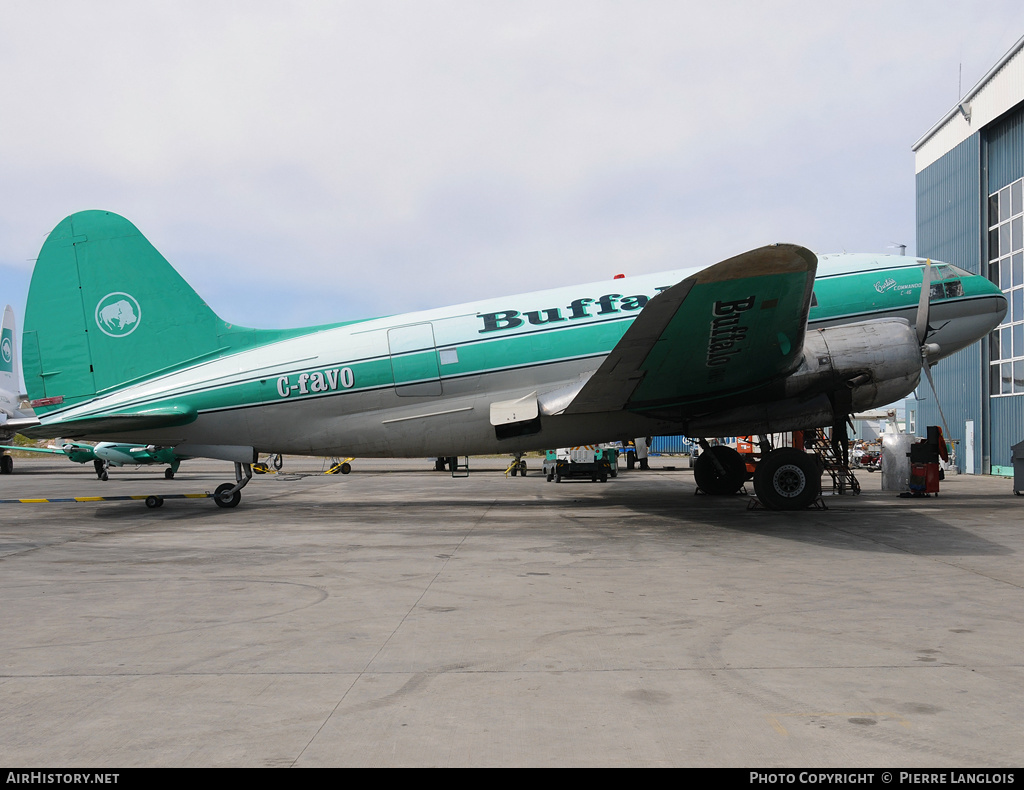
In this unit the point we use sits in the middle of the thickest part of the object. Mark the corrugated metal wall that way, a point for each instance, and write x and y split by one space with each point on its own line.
1006 149
675 445
1007 427
1005 154
960 388
949 205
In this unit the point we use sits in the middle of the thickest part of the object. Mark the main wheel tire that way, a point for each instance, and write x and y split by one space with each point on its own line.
223 499
97 464
787 479
6 464
168 474
710 480
346 468
154 501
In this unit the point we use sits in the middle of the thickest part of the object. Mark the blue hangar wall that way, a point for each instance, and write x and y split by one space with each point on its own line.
958 222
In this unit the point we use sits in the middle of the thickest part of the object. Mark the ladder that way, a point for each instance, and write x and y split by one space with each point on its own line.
843 478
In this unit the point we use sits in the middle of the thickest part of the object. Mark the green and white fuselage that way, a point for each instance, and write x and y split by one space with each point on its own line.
118 347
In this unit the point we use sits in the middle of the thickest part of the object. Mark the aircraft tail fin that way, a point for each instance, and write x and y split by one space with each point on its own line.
105 309
8 350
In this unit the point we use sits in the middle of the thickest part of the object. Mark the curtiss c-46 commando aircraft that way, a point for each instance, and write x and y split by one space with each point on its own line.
118 346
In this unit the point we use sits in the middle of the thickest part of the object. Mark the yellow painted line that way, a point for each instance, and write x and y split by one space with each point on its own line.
123 498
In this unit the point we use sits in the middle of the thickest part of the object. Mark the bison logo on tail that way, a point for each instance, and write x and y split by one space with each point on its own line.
118 314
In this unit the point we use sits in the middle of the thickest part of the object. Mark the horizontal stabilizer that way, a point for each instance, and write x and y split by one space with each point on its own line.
19 424
114 423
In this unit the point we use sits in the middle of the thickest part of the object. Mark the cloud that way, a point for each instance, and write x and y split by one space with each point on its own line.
325 160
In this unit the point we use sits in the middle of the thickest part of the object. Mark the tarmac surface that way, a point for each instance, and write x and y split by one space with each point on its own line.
399 617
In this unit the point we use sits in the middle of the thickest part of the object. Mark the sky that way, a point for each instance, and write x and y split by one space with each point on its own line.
309 162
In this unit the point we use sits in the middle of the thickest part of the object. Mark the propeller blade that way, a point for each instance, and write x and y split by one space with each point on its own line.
931 382
923 303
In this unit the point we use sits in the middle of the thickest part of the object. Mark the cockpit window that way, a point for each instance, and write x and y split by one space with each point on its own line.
946 282
947 271
946 289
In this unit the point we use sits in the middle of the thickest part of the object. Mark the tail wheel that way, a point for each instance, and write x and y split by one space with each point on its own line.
787 479
712 480
224 498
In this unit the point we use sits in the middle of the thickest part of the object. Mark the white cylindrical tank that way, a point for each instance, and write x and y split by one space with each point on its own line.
896 461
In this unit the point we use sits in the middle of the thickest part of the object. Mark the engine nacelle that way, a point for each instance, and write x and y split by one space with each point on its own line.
877 361
844 369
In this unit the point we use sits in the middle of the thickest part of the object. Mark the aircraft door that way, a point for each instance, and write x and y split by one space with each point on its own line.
414 360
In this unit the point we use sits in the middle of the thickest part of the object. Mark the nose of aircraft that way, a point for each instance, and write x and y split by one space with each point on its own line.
963 311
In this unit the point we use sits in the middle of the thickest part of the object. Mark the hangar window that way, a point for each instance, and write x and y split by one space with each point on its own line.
1006 269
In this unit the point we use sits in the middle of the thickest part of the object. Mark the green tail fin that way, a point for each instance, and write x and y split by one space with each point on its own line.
104 309
8 348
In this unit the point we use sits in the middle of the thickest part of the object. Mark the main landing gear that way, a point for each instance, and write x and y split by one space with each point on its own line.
786 478
719 470
6 464
228 494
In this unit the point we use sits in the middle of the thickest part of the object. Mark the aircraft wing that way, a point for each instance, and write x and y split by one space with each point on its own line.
729 329
48 450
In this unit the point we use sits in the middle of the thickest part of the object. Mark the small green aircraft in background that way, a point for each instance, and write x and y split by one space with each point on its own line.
107 454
